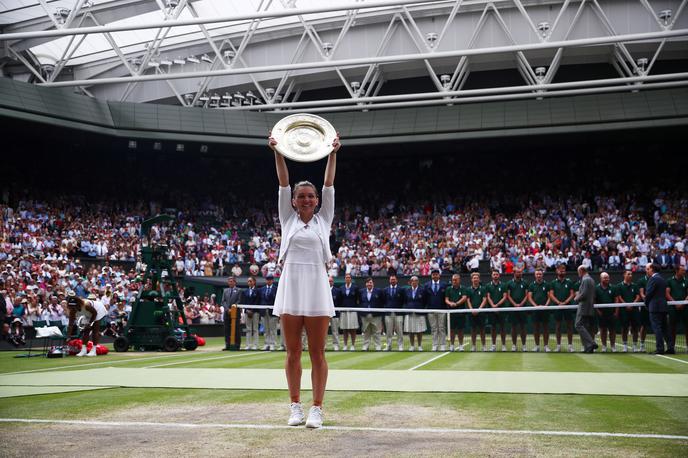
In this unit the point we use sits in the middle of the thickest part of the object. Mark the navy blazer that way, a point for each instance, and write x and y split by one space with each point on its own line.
375 301
435 300
351 300
249 297
393 301
655 294
268 298
414 303
336 299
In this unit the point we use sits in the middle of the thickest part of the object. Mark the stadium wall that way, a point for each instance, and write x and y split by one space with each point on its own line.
577 114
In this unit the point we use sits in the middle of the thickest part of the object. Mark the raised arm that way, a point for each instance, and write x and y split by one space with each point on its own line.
331 168
280 164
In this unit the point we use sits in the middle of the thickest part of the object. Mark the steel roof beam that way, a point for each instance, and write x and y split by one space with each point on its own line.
661 35
208 20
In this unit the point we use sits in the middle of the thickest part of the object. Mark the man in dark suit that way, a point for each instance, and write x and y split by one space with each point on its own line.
655 300
584 315
393 298
371 322
434 299
250 296
267 297
230 296
334 321
663 260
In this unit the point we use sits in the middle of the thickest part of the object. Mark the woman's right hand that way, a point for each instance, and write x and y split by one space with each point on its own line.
271 141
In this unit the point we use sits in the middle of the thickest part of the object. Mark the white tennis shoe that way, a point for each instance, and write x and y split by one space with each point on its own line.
83 351
296 416
315 418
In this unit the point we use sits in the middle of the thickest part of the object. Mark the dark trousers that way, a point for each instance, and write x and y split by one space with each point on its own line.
584 329
658 321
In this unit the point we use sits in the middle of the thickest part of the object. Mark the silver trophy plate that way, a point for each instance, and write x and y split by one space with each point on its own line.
304 137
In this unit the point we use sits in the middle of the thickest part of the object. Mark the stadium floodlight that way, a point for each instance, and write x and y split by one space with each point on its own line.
206 58
540 72
153 63
188 98
250 97
172 3
327 47
446 80
179 61
431 38
228 55
270 92
132 144
642 64
226 99
61 15
180 147
193 59
87 4
204 148
215 96
665 16
157 146
544 28
355 86
47 68
239 97
204 97
165 61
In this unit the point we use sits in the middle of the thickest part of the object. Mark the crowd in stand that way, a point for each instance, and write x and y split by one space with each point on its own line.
405 215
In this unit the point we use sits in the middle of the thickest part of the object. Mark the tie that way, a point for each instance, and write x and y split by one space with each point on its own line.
434 288
393 290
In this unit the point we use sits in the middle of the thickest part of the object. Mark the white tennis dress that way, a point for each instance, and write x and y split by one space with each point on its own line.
303 287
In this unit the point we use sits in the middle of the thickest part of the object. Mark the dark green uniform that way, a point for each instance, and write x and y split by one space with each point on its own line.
540 292
476 296
561 289
605 296
456 320
644 312
518 291
496 292
678 288
628 293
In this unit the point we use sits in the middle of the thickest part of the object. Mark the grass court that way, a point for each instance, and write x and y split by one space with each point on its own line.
206 403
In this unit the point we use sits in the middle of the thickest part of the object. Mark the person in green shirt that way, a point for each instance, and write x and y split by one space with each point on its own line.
626 292
476 301
517 294
677 290
538 296
455 297
561 293
496 297
644 312
606 317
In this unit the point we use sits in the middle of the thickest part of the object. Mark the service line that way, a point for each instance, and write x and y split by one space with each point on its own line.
520 432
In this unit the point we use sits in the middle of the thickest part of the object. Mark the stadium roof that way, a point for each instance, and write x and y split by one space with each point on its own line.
266 54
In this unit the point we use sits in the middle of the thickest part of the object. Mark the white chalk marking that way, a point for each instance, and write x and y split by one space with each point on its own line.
673 359
429 361
521 432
